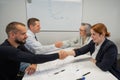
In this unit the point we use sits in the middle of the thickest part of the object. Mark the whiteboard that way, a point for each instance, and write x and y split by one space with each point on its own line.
60 15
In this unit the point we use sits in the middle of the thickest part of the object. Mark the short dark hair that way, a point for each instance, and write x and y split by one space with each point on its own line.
13 27
31 21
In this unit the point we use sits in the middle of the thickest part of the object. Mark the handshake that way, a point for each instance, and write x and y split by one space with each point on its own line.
63 53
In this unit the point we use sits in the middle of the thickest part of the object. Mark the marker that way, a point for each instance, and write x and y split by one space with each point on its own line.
86 74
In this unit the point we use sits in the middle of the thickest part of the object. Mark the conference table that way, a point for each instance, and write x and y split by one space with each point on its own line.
71 68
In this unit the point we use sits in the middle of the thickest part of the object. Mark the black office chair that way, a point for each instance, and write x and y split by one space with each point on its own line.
20 75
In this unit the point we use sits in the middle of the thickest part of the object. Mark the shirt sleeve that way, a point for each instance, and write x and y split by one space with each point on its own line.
75 42
14 54
71 43
36 47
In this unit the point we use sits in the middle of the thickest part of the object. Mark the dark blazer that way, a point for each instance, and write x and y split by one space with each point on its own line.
106 58
11 57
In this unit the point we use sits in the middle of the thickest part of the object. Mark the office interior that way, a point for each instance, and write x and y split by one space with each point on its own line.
93 11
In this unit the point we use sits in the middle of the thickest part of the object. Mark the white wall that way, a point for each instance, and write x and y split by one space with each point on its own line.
51 37
105 11
94 11
11 10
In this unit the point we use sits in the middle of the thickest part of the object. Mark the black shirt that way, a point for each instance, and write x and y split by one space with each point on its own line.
11 57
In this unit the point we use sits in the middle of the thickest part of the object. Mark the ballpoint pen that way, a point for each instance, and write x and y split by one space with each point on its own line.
59 72
86 74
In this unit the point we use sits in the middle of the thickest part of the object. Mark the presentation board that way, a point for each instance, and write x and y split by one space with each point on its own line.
56 15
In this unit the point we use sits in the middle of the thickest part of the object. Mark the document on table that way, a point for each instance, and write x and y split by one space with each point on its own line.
70 68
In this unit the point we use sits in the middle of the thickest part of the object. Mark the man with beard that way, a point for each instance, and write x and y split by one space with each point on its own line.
17 40
11 57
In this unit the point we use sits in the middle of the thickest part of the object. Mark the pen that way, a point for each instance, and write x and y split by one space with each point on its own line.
83 78
62 70
86 74
59 72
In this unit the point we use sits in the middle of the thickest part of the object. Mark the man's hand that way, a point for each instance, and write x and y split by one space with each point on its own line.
31 69
63 54
59 44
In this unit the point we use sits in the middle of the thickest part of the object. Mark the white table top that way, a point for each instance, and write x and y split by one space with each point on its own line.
70 68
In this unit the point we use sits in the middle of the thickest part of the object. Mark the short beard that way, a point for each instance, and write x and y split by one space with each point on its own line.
20 42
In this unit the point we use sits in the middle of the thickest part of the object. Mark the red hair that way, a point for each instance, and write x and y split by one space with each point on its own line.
101 29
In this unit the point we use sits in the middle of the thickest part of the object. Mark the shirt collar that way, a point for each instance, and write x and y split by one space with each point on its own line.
30 32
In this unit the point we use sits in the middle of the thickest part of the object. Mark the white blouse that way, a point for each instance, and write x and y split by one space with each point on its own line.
97 48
